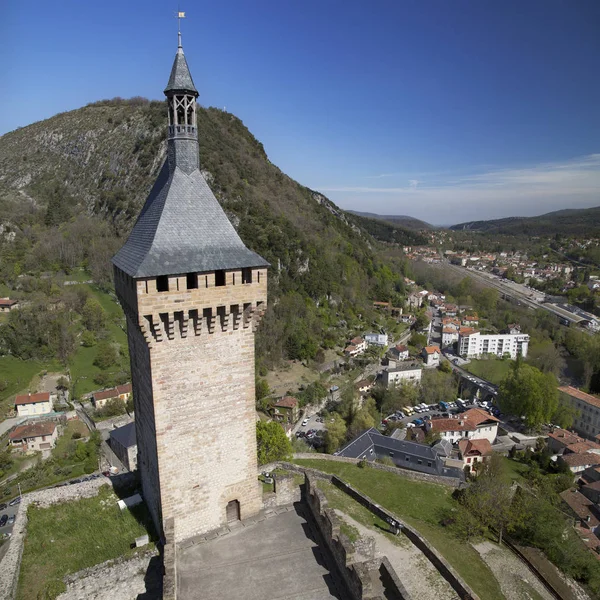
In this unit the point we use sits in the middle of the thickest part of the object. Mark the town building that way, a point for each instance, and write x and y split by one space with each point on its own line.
356 347
121 392
193 295
33 405
449 336
34 437
474 424
431 356
586 420
474 451
123 443
372 445
587 513
399 352
285 410
470 321
472 344
406 372
364 387
377 339
6 305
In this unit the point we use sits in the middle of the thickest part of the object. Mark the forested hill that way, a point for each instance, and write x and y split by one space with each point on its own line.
71 187
399 220
584 221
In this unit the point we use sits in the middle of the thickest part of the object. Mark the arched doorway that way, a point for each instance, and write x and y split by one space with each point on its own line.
233 511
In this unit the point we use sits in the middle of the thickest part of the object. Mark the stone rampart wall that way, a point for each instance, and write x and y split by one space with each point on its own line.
286 491
10 565
439 562
356 575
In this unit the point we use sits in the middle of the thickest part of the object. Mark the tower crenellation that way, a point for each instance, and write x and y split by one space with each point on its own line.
193 294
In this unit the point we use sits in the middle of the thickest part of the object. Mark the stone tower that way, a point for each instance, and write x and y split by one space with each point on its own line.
192 294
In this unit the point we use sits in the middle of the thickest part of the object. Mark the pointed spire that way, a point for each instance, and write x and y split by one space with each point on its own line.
181 78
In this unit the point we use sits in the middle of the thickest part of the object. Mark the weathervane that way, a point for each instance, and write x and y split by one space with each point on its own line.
180 15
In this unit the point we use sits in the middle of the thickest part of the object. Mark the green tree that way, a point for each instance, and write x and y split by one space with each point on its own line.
336 433
528 392
106 355
93 316
272 443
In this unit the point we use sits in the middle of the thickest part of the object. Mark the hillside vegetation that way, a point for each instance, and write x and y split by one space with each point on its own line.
566 222
71 187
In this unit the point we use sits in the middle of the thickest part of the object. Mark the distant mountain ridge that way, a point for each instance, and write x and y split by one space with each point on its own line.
566 221
400 220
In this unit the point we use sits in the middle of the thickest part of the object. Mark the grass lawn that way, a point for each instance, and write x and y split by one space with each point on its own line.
16 375
420 504
515 470
68 537
63 441
491 369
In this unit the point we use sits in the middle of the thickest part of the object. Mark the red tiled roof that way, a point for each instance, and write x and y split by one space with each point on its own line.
124 389
106 394
580 447
465 331
449 330
287 402
350 349
470 447
402 348
34 430
581 506
431 349
468 421
8 302
575 393
581 460
357 340
565 437
32 398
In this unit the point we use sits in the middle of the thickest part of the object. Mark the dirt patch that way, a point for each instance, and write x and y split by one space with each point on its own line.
48 382
516 581
419 576
290 377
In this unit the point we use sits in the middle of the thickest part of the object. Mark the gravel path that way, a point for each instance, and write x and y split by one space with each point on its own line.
419 576
515 579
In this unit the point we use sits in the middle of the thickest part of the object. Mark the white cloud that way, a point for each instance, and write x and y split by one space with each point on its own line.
489 194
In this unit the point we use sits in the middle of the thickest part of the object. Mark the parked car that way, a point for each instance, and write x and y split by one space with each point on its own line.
15 501
11 519
3 520
305 423
418 422
4 505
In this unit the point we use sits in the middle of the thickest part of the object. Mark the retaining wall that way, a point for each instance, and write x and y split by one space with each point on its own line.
356 575
448 481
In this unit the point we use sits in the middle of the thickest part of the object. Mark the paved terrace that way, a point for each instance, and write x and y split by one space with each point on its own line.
274 559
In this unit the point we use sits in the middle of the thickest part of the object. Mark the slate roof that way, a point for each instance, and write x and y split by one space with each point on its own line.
371 444
125 435
181 78
183 229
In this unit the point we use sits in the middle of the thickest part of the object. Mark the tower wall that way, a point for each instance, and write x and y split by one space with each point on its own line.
193 375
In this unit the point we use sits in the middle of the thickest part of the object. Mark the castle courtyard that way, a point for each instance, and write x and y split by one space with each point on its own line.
277 558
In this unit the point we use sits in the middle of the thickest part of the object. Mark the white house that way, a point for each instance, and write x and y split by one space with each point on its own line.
449 336
377 339
474 424
399 352
410 372
431 356
472 344
37 437
31 405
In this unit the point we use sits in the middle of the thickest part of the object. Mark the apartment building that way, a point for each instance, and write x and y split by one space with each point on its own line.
472 344
587 410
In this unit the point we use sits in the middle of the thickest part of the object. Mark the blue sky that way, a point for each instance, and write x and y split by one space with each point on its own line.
446 110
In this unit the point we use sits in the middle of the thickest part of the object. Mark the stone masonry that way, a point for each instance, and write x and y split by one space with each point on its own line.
192 356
